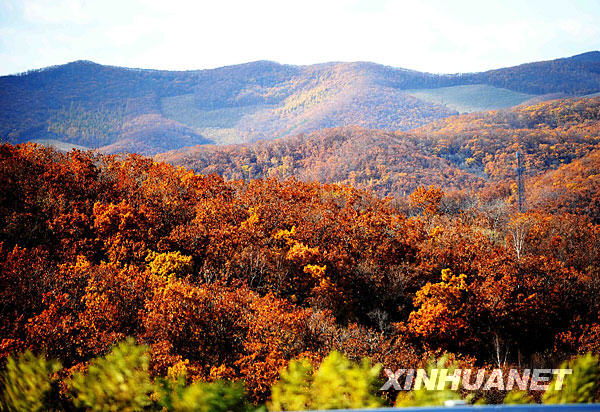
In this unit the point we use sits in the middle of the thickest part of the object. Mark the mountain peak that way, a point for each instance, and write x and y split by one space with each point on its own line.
83 63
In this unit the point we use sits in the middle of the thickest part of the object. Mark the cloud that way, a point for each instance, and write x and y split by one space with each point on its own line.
57 12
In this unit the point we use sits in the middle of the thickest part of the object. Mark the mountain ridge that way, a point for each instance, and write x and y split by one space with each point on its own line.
98 106
591 56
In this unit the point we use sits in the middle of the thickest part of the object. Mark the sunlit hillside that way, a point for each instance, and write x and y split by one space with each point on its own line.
457 152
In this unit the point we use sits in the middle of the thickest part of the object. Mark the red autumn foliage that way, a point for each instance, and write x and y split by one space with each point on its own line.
235 278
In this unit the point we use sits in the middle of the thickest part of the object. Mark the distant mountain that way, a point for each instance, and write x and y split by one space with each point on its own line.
151 111
460 152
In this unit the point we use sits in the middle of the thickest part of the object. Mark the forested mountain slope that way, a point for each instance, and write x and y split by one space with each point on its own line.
151 111
386 162
457 152
572 188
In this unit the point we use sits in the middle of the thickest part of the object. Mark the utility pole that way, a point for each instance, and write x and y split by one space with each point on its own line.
520 183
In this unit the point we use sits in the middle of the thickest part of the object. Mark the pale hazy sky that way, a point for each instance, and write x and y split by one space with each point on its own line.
430 35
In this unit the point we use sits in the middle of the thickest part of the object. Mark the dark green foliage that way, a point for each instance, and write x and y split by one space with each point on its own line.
575 75
27 383
89 128
117 382
338 383
175 395
516 397
582 386
426 397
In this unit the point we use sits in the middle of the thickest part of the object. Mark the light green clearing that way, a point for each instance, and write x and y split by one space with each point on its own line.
182 109
60 146
220 135
471 98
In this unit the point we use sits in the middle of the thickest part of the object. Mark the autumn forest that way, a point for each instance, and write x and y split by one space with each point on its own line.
245 263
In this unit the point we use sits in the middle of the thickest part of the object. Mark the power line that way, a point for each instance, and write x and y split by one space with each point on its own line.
520 183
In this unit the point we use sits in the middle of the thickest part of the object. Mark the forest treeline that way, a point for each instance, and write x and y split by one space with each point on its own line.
231 279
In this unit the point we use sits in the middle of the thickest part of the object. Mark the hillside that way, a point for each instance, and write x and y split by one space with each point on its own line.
461 152
385 162
549 134
572 188
471 98
112 108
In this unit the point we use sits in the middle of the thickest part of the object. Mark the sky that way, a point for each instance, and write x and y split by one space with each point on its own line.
439 36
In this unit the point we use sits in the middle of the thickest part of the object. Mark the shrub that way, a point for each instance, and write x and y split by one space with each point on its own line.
337 384
516 397
176 396
582 386
425 397
117 382
28 383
